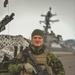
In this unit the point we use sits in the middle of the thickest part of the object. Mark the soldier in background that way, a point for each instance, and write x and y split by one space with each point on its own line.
44 58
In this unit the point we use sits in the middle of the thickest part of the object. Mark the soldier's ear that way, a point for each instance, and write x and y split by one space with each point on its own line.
31 40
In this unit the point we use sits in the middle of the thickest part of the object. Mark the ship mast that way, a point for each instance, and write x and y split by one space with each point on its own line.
48 20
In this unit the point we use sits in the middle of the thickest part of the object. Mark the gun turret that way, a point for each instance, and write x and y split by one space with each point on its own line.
5 21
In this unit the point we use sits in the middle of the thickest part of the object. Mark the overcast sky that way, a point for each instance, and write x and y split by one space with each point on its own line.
27 16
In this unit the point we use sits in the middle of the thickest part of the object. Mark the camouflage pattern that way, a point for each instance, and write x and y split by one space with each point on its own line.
55 63
15 69
44 58
52 61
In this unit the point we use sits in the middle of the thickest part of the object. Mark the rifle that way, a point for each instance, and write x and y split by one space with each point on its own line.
37 67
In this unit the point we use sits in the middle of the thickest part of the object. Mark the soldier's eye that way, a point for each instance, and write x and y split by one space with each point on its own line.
40 38
35 38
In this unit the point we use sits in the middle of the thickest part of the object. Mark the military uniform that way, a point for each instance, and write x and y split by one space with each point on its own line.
44 58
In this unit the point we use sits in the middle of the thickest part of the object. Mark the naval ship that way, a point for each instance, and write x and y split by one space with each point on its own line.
54 43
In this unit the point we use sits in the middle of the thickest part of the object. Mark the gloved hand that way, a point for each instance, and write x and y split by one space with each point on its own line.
29 68
15 68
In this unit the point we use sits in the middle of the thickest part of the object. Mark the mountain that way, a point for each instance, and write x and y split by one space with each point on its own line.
70 43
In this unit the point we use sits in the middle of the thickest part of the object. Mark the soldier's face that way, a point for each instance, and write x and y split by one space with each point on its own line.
37 40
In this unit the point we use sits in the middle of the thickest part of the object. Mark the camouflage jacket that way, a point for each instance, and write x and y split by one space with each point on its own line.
52 60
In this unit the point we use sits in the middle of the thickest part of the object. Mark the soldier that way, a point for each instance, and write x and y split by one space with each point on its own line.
44 58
